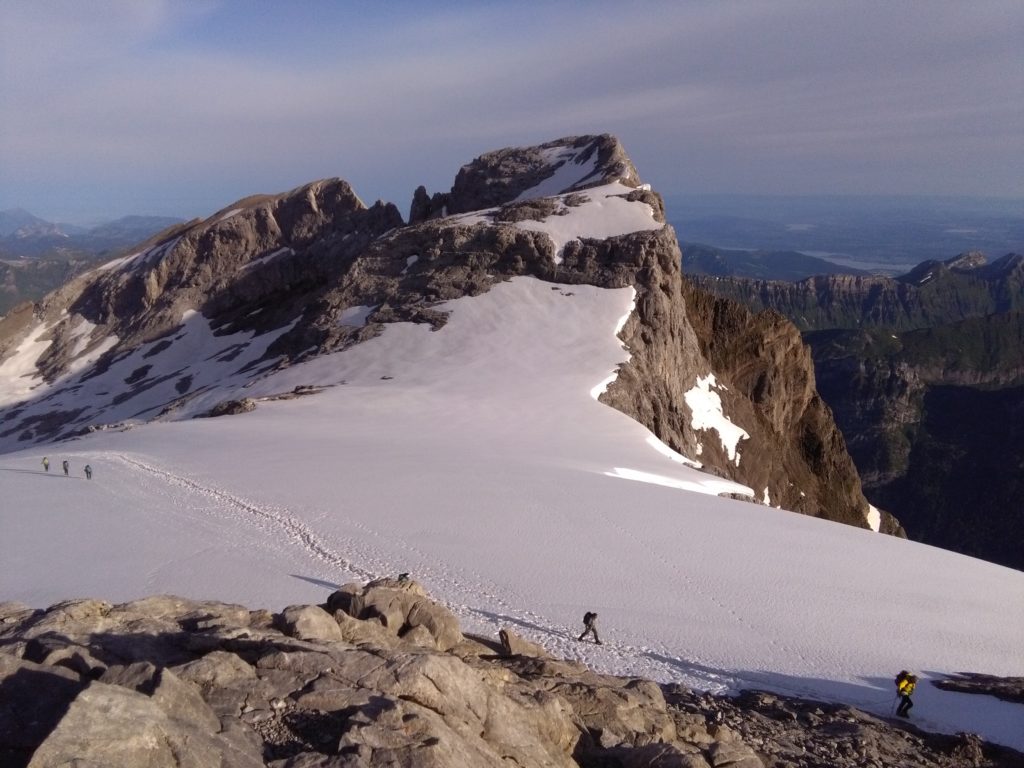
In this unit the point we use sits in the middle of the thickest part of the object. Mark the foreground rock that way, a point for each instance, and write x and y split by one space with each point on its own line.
797 733
381 676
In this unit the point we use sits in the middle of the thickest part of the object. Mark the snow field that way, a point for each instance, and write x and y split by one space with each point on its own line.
475 458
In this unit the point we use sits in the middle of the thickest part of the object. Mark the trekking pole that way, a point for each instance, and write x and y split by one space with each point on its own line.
892 709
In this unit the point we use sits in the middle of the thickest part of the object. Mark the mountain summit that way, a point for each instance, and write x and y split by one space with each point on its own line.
207 313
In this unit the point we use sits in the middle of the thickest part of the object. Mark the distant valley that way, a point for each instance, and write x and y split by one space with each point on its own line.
924 374
707 260
885 235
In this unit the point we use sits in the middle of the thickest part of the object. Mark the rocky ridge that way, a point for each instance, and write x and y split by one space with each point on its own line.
380 675
283 277
933 293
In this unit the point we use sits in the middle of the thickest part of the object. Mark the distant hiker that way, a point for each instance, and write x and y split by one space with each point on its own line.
65 467
905 683
88 472
46 463
590 622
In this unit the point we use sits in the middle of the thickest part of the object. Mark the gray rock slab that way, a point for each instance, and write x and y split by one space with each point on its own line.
309 622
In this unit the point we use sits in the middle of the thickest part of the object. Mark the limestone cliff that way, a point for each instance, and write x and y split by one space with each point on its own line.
933 293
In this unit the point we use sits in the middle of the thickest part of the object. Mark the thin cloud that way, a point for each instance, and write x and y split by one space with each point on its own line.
154 96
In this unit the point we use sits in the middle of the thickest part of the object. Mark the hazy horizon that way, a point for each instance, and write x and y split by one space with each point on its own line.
157 108
720 202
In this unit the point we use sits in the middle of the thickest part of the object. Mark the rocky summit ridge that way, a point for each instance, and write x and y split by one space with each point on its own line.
932 293
179 327
380 675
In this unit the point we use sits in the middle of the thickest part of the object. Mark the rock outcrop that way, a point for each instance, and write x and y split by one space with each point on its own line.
570 164
1006 688
166 681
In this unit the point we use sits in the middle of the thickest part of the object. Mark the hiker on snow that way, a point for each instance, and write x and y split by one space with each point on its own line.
65 467
590 622
905 683
88 472
46 463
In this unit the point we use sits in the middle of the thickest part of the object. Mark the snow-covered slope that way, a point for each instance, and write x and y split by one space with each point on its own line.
476 458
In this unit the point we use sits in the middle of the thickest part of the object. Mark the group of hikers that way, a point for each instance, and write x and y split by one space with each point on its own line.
66 466
905 682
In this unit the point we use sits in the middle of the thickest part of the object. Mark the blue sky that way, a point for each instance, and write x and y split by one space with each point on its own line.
179 108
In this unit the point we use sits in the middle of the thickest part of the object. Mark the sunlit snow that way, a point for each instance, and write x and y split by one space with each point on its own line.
568 174
269 257
18 375
355 316
706 407
606 213
81 333
874 518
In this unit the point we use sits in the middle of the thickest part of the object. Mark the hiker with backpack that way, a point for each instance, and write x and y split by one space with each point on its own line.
65 465
590 622
905 684
88 472
46 463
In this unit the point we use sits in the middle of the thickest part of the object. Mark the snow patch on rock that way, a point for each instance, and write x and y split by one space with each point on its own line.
706 407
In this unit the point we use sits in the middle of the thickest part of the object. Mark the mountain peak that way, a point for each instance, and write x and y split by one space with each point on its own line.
515 174
968 260
14 220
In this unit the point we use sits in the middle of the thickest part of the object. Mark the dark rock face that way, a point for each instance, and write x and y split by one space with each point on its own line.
959 491
292 265
172 682
932 418
771 382
231 408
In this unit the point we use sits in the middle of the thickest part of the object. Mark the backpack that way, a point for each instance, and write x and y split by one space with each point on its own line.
588 618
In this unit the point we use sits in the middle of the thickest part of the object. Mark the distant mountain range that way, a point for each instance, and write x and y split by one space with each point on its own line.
36 256
25 236
931 294
924 374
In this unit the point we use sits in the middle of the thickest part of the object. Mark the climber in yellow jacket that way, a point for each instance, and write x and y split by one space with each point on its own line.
905 683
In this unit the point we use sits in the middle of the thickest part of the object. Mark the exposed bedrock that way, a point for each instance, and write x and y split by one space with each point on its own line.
380 675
